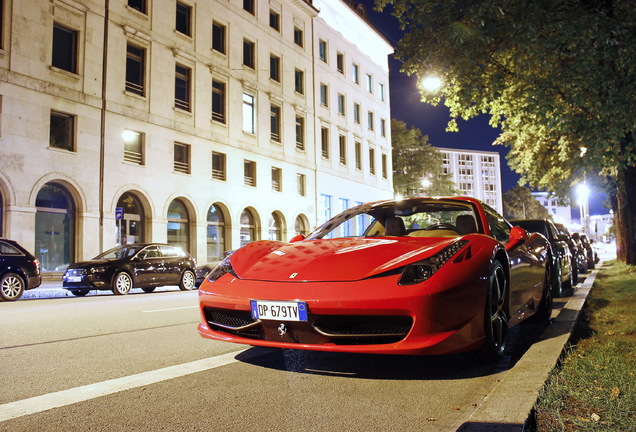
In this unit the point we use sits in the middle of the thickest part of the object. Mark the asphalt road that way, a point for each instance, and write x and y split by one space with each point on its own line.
136 363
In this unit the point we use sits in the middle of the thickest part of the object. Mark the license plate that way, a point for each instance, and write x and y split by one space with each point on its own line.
74 279
279 310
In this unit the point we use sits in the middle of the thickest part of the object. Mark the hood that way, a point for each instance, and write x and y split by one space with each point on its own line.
91 263
343 259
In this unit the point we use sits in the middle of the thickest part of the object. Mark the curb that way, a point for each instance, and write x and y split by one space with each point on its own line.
510 404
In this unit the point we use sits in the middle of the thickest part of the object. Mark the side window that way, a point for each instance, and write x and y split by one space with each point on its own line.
150 252
169 251
6 249
498 226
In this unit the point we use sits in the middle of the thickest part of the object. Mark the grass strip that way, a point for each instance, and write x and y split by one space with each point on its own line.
594 386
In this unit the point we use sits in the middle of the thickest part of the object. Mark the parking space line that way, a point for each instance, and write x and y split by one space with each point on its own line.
61 398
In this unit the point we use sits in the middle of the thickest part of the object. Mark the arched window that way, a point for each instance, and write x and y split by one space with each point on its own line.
300 225
54 228
216 234
275 227
131 228
179 225
249 232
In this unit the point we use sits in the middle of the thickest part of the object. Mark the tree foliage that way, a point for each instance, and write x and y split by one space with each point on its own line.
415 160
518 203
557 76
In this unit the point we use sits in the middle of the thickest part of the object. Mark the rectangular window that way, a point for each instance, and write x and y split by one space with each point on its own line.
383 127
249 173
274 20
249 113
218 101
277 179
324 142
370 120
218 166
133 147
299 81
249 51
300 133
301 182
342 145
298 37
135 69
324 95
358 151
249 6
326 207
372 161
182 158
341 104
340 63
322 50
384 166
275 123
218 37
139 5
355 73
274 67
356 112
64 48
381 90
182 87
369 83
184 19
62 131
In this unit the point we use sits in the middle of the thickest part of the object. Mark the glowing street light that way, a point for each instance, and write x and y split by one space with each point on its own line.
431 83
583 195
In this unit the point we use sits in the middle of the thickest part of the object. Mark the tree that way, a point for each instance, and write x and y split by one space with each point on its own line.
557 76
415 161
518 203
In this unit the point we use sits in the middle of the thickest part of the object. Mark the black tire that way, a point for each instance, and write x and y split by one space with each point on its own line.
544 311
496 316
11 287
557 284
148 290
80 292
122 284
188 281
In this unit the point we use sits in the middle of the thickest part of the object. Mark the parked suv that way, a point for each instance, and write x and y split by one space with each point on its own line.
139 265
19 270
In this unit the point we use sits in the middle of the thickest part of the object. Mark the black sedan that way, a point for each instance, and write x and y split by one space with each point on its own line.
19 270
140 265
562 275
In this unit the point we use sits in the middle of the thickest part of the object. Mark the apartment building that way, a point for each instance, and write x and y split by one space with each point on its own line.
476 174
205 124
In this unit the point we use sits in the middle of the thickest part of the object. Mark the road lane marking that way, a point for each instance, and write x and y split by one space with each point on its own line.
61 398
169 309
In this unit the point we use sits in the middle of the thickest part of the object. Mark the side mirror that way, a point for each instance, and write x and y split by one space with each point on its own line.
297 238
517 235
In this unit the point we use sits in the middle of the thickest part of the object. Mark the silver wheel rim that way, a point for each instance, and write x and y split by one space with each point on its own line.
123 284
188 280
498 317
11 287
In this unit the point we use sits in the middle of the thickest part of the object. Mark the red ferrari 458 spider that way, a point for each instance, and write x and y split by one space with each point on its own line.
415 276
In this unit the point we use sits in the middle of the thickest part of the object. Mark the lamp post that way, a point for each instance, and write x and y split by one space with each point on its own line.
583 194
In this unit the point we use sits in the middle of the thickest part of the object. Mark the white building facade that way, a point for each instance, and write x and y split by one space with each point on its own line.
476 173
205 124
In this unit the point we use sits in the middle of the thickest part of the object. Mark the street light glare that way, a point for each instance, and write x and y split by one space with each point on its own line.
431 83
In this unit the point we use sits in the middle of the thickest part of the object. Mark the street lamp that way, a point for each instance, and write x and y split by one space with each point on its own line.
583 194
431 83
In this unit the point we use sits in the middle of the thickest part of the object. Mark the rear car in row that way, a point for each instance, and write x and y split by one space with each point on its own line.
19 270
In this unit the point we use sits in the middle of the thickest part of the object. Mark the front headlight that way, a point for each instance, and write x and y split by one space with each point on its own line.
98 269
222 268
422 270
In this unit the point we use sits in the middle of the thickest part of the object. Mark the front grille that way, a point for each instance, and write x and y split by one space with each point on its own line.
221 319
364 329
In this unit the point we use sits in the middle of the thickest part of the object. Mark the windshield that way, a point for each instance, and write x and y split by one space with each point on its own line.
412 218
118 253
